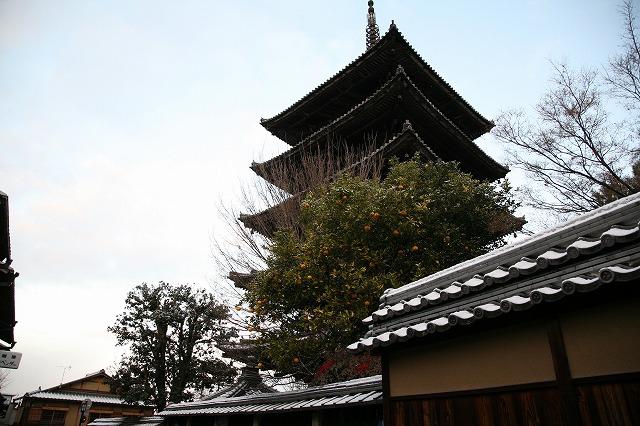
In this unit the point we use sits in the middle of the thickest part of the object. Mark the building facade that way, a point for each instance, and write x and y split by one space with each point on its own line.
60 405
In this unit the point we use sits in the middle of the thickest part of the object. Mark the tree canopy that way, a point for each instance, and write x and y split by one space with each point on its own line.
171 334
357 238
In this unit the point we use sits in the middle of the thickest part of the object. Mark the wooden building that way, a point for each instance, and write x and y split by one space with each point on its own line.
7 279
60 405
543 331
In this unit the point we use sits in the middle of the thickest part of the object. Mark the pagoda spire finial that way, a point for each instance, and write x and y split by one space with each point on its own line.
373 33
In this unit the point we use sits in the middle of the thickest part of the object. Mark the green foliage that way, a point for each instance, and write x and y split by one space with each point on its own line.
171 333
361 237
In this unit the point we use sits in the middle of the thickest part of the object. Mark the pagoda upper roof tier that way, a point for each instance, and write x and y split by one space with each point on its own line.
382 114
360 79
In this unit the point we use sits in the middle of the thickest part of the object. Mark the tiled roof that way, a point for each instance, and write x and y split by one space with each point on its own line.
365 391
249 383
128 421
407 134
377 103
103 398
597 249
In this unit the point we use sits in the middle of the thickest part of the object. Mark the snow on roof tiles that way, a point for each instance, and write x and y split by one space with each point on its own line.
596 249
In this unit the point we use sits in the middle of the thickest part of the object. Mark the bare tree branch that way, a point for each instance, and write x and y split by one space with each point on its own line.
572 153
264 206
623 74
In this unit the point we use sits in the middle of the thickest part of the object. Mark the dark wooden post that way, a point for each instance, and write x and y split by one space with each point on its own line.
563 372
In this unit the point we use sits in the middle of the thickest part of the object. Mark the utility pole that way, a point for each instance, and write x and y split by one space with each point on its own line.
64 370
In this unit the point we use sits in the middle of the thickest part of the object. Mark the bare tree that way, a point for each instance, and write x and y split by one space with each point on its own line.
575 156
623 73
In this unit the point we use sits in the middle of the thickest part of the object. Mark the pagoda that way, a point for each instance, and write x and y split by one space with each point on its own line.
388 101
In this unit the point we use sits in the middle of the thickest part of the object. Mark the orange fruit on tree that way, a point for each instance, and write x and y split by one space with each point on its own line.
396 232
367 228
296 360
415 248
260 365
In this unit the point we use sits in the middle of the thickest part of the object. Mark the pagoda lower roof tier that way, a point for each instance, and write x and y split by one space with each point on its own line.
268 221
360 79
383 114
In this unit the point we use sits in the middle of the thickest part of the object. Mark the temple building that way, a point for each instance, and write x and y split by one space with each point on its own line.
387 102
61 405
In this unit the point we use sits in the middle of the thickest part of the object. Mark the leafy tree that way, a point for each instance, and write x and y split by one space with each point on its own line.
359 237
273 201
575 156
171 334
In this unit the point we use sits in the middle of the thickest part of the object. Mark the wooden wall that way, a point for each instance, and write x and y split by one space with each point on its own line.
367 415
537 407
616 403
574 367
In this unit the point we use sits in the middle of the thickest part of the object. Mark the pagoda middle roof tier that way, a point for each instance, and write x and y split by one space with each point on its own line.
360 79
403 145
383 115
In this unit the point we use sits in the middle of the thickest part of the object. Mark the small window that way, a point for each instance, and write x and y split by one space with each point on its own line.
52 418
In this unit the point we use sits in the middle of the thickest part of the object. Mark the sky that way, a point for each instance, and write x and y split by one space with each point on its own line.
124 124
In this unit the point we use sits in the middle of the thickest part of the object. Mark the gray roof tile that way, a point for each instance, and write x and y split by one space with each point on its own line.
359 391
582 255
